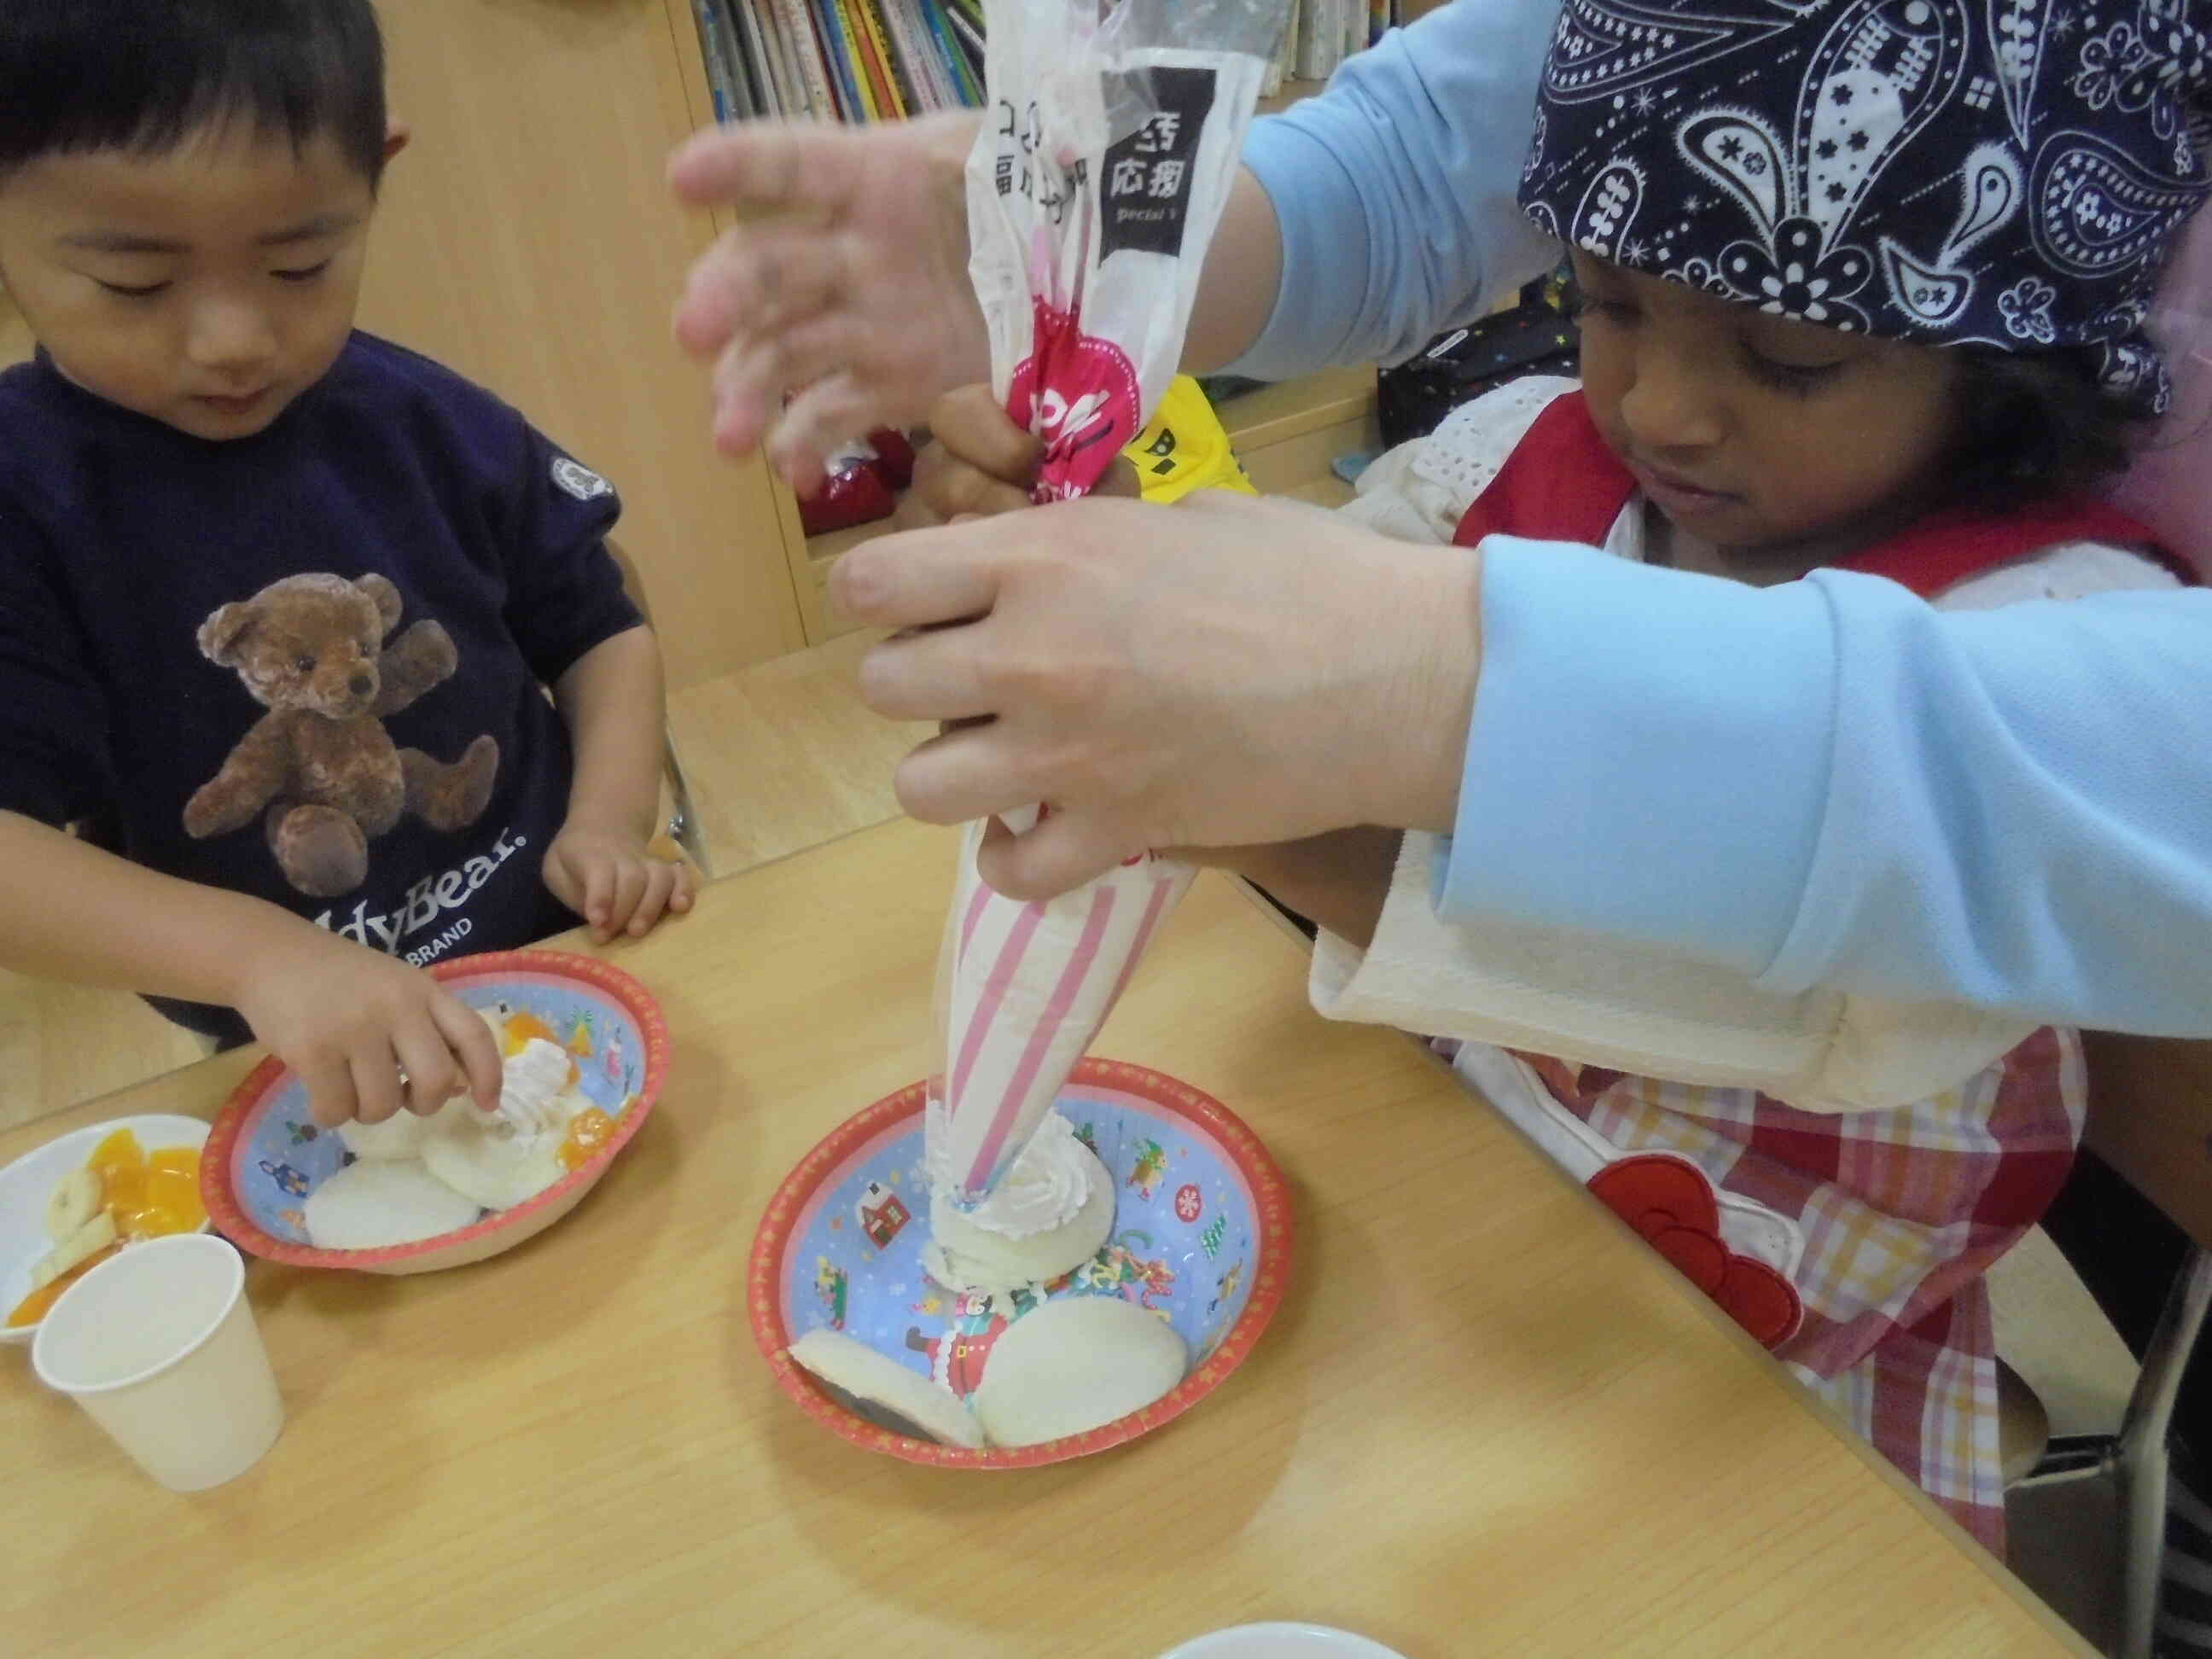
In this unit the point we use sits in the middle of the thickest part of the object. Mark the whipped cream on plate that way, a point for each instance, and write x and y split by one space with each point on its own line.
1045 1188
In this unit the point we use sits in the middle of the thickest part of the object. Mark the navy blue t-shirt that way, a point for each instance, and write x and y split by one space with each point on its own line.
199 652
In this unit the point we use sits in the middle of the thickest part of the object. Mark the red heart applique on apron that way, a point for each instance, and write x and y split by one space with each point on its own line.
1672 1206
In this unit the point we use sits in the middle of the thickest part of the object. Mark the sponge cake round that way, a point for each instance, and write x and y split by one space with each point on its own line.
1073 1365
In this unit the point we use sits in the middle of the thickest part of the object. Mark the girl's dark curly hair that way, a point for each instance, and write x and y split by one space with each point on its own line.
2034 425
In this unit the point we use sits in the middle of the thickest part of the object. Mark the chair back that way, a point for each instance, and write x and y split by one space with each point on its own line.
632 578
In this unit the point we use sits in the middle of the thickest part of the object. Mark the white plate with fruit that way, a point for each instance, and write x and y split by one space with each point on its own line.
78 1200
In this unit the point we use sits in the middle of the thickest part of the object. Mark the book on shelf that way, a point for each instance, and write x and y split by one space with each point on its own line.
931 78
807 53
747 70
759 23
831 41
1286 47
908 72
717 71
878 60
876 54
849 38
966 39
1320 39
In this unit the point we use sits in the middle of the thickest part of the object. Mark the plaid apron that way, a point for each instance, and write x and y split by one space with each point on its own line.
1852 1245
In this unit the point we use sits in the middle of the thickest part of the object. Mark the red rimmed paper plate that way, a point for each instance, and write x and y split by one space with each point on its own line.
1201 1237
266 1154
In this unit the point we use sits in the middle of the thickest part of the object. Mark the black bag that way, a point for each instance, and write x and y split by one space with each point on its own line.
1537 337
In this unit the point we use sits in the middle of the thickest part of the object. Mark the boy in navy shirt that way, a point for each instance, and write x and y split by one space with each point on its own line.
280 602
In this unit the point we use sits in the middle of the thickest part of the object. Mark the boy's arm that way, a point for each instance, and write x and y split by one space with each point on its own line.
580 633
347 1019
615 707
599 865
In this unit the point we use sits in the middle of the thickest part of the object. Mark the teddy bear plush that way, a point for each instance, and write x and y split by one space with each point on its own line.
318 769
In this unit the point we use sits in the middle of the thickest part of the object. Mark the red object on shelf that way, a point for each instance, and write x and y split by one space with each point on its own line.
857 495
864 481
894 456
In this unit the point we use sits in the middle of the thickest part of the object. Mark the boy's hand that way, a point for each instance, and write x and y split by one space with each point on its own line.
979 463
351 1020
614 881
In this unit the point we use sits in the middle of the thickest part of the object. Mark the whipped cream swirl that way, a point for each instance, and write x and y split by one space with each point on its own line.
1047 1184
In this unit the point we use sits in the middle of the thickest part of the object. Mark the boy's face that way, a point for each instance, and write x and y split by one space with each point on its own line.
1752 431
207 287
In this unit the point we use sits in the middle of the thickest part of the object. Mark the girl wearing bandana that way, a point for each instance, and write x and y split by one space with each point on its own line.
1863 286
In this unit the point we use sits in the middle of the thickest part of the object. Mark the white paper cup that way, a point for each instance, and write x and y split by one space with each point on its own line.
158 1344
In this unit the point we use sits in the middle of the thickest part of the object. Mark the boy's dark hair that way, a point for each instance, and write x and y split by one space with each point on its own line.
143 76
2034 425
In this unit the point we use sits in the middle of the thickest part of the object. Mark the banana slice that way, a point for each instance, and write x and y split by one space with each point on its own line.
73 1203
90 1240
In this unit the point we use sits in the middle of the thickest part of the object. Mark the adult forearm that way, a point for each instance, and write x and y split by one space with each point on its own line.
1394 191
1829 783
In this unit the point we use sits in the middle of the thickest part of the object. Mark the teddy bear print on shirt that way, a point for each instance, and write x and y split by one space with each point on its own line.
319 768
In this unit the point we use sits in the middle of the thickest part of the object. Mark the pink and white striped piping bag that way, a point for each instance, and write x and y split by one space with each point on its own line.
1107 154
1025 989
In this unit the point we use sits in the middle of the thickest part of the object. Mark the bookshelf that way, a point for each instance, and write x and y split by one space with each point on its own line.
869 60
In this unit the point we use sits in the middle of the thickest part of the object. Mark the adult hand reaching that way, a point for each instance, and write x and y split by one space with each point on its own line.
847 285
1226 671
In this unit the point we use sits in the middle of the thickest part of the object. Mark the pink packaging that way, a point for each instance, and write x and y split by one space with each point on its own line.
1093 192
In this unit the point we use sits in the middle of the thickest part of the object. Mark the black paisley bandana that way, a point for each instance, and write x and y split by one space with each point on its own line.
2003 172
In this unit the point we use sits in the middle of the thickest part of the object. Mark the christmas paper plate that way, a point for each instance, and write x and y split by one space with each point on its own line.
265 1154
1202 1238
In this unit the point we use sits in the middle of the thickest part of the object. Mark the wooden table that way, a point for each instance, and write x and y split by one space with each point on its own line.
1487 1420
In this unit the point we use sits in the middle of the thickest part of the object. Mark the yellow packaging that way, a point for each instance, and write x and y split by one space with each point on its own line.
1185 447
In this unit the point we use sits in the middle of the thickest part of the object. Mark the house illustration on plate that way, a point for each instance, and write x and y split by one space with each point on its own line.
882 1214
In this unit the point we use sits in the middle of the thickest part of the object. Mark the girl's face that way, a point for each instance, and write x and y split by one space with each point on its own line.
1754 432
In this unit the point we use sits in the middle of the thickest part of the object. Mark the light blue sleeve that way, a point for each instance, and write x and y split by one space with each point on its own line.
1395 189
1829 782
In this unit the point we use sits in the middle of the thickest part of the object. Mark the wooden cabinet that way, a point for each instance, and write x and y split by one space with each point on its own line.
527 238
